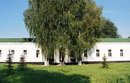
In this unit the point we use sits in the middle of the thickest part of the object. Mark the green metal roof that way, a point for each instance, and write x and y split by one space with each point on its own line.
34 40
17 40
114 40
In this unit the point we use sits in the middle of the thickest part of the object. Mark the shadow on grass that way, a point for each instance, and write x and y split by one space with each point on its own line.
128 79
41 76
125 79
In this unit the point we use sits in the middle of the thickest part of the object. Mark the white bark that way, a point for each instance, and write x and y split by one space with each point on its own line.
46 62
80 62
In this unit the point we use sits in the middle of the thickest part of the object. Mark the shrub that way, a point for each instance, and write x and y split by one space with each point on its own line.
104 63
9 66
22 65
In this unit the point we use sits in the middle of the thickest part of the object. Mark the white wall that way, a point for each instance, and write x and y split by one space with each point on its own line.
115 48
31 52
18 48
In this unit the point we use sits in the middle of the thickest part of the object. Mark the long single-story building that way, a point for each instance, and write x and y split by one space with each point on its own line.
115 49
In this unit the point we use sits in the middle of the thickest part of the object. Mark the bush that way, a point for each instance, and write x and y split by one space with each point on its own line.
104 63
9 66
22 65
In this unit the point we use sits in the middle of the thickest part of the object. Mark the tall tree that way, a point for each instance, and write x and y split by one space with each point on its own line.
45 21
85 28
63 24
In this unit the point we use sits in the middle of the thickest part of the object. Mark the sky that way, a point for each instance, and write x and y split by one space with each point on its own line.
118 11
12 23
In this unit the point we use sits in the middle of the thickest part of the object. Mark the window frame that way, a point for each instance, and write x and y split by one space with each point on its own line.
97 53
12 51
37 53
109 52
25 52
121 53
0 52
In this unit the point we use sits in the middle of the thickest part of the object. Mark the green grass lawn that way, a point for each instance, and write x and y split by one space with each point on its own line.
92 73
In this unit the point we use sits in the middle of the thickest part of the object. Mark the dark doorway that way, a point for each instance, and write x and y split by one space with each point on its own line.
51 58
61 55
72 58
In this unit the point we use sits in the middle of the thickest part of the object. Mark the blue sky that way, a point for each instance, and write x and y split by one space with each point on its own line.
12 24
11 19
118 11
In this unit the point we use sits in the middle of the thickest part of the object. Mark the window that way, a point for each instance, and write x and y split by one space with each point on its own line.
12 51
0 52
97 53
37 53
109 53
121 52
85 53
24 52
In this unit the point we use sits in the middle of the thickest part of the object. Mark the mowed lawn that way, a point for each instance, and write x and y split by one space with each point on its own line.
91 73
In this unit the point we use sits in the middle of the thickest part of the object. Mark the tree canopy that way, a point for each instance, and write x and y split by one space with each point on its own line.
67 24
109 30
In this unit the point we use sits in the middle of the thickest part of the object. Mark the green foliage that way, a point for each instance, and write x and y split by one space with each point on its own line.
117 73
9 69
22 65
104 63
84 28
109 30
67 24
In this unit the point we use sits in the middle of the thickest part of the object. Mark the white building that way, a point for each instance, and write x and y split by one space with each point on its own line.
116 50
